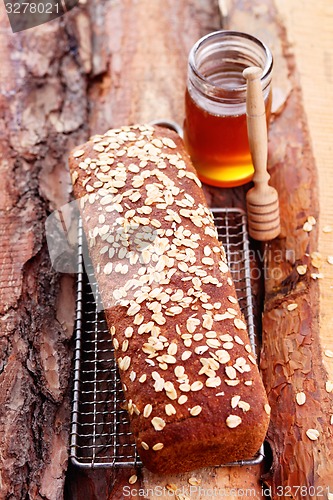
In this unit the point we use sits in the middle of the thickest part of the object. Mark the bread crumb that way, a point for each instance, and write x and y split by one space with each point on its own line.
292 307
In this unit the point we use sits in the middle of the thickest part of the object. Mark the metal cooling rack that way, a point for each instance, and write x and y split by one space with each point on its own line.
100 434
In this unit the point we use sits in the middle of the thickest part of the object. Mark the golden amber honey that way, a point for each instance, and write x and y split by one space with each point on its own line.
218 145
215 129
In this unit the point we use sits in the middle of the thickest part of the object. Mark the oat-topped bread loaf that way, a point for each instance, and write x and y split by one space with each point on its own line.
193 390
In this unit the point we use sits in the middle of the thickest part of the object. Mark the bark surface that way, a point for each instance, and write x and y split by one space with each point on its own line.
292 358
43 113
107 64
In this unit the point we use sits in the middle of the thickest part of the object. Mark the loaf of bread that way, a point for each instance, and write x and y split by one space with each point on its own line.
192 386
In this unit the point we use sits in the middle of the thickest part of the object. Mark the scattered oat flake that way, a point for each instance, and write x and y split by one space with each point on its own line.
158 424
252 359
195 411
196 386
330 259
292 307
243 405
171 487
300 398
133 479
327 229
312 434
158 446
331 420
181 496
316 259
234 401
307 227
312 220
78 153
301 269
233 421
267 409
75 177
317 276
169 142
329 386
193 481
170 409
239 324
182 399
328 353
186 355
147 410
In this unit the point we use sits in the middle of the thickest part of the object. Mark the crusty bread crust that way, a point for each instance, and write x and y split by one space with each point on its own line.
193 390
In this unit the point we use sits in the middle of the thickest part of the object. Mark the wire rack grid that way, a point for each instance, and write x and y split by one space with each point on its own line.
100 433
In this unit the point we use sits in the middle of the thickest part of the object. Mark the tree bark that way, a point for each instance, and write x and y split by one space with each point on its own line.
292 359
43 109
107 64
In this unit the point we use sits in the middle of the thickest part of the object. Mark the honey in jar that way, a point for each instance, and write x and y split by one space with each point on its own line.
215 130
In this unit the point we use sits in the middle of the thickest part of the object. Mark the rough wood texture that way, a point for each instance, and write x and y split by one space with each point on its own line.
40 88
48 76
317 89
292 359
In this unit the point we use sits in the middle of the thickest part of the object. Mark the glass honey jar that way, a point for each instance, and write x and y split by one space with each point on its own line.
215 130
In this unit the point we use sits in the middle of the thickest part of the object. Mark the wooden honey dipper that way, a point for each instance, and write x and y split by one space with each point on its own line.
262 200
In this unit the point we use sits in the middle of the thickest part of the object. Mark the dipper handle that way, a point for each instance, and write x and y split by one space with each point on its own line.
256 126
